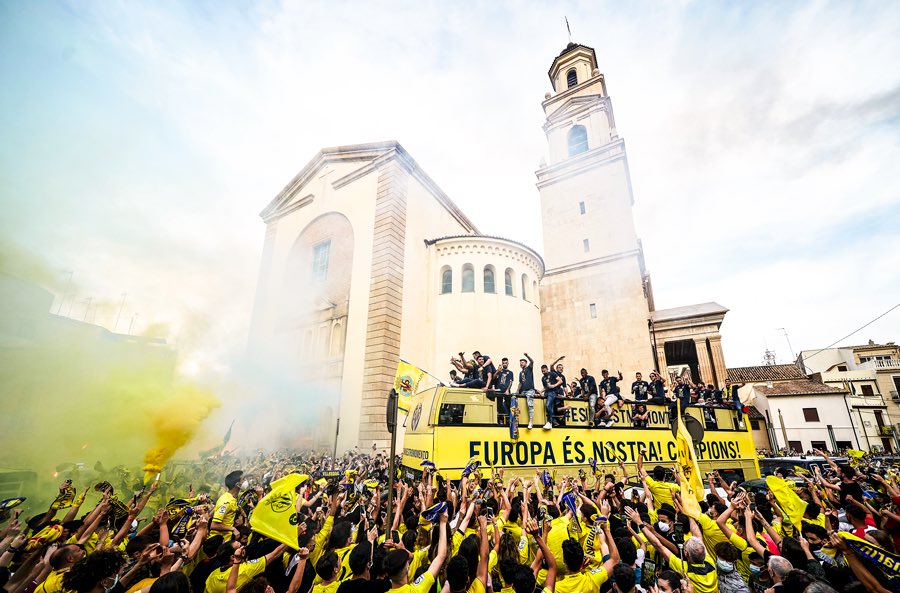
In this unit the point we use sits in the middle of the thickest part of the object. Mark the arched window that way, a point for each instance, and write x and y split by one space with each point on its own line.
534 291
468 278
509 282
571 78
524 285
489 279
446 280
577 140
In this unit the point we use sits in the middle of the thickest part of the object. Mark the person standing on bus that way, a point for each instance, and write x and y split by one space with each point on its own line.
730 394
503 385
589 390
526 385
553 388
657 389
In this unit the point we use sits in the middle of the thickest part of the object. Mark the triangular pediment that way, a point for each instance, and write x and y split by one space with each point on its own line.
575 107
294 196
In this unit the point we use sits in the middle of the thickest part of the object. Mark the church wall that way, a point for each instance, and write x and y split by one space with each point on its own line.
280 345
618 338
494 323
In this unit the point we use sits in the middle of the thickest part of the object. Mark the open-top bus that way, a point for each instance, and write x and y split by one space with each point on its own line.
449 426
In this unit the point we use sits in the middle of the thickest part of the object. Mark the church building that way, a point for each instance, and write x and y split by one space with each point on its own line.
366 261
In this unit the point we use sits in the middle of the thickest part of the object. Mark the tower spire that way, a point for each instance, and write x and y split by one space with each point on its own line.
569 29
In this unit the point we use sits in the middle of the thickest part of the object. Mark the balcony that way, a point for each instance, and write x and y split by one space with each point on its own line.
887 431
893 363
895 396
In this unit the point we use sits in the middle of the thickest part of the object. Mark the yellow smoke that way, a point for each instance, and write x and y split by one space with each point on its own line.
80 402
174 424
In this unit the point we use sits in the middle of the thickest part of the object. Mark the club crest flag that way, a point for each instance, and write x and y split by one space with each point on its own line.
692 485
793 506
406 382
276 514
880 562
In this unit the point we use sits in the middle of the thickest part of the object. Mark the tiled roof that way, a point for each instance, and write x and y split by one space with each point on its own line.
755 414
798 387
765 373
869 345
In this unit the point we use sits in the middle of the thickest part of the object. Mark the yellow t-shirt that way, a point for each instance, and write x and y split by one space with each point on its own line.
702 576
329 588
422 585
712 535
662 492
419 556
53 582
476 587
226 511
218 580
321 538
559 532
582 582
743 563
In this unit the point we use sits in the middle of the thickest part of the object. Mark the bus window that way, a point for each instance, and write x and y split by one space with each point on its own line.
732 475
451 414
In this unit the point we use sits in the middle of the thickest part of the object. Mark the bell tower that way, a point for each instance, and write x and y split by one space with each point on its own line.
595 292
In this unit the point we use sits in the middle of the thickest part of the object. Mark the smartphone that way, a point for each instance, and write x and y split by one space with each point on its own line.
678 537
395 536
752 507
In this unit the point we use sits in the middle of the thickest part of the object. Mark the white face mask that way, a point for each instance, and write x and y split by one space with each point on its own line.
663 527
245 484
113 586
725 566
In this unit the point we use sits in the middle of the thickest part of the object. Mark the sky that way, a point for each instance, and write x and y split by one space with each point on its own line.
142 139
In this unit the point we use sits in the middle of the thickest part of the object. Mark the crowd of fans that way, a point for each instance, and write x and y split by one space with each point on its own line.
604 397
485 532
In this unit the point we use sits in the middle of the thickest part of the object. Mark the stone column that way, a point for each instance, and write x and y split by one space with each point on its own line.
661 355
718 360
706 372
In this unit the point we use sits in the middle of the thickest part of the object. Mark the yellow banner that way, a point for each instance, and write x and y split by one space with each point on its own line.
406 383
692 485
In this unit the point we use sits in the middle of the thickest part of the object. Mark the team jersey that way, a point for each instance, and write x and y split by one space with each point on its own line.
329 588
712 535
743 563
53 582
217 581
662 492
582 582
703 576
422 585
321 538
226 511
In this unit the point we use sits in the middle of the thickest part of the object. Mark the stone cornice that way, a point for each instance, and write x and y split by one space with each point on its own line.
375 156
594 262
566 168
477 244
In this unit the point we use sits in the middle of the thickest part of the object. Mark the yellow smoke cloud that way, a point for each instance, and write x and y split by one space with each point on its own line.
81 402
174 424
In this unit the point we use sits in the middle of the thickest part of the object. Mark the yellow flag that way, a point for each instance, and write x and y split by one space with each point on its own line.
792 505
275 516
406 382
692 485
855 453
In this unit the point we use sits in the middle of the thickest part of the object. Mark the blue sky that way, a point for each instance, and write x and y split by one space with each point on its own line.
141 140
